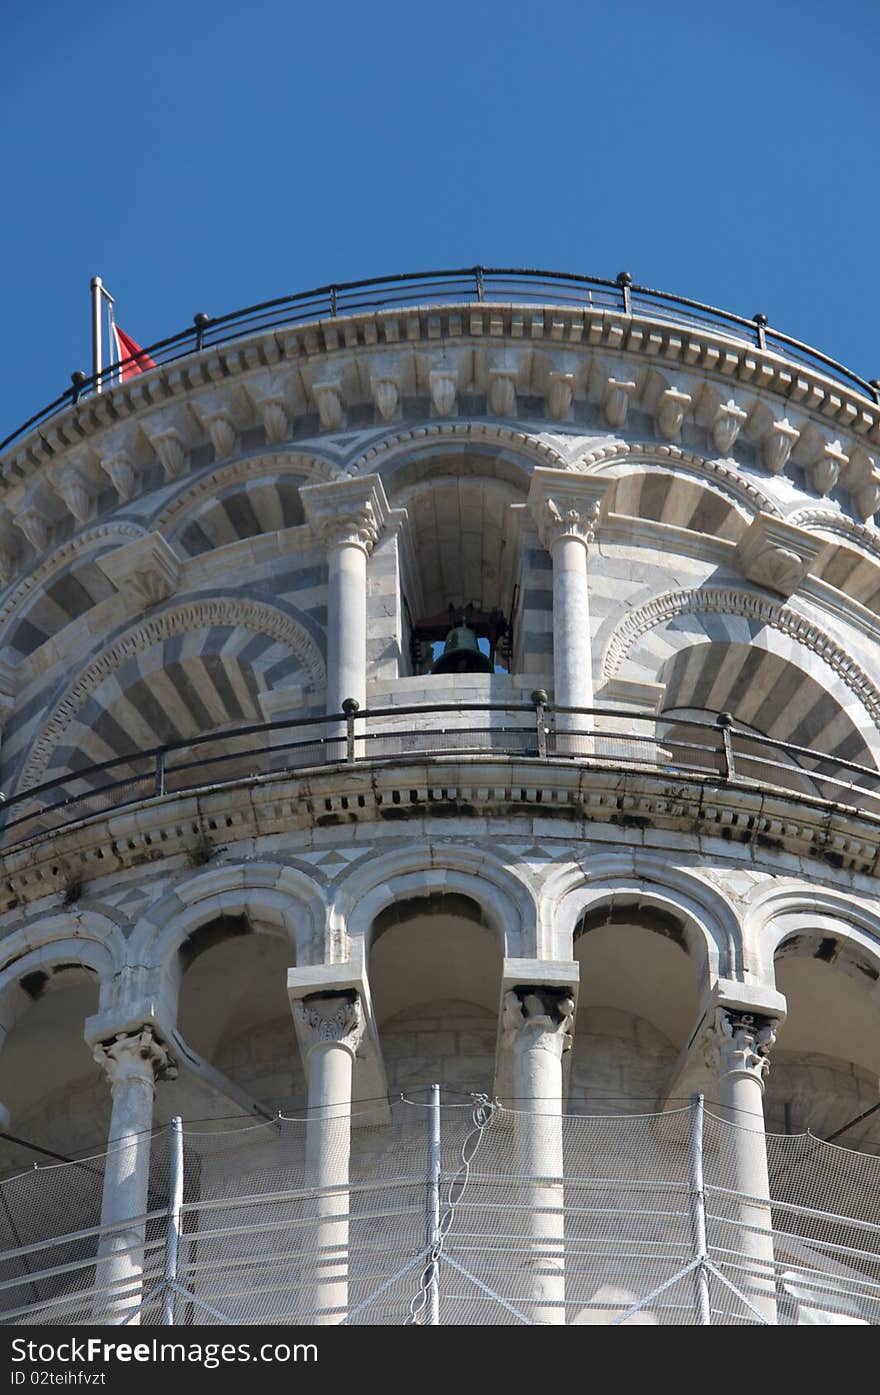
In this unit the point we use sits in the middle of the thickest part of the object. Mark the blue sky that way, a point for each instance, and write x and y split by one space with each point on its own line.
207 154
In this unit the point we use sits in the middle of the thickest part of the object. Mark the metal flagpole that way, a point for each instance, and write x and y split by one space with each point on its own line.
175 1206
97 335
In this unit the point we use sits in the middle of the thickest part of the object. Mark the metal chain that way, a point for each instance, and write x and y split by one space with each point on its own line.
482 1115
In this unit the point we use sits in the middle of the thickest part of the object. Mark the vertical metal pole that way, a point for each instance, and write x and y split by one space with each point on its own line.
698 1215
434 1203
725 722
97 333
160 772
175 1207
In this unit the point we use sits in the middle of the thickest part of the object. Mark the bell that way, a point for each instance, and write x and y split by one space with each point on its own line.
462 654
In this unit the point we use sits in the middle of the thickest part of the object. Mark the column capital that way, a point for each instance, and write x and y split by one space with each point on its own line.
325 1019
136 1054
739 1043
565 505
352 511
538 1016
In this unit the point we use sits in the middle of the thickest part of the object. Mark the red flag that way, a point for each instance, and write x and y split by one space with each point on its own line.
131 357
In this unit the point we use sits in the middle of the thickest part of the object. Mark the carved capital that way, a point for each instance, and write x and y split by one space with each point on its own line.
615 402
567 522
740 1043
538 1019
565 505
139 1056
325 1019
347 511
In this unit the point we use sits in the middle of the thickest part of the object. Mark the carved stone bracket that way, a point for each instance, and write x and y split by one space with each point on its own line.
616 399
776 554
825 470
75 491
171 450
443 384
121 471
502 391
559 394
386 394
740 1042
324 1019
147 570
670 411
726 426
777 445
331 408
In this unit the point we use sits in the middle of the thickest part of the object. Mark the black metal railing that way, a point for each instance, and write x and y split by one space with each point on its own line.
466 286
596 737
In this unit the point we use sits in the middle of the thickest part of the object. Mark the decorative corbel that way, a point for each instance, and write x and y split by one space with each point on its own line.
443 384
559 394
74 490
671 407
385 388
170 449
726 426
146 570
824 471
615 403
777 445
122 474
502 392
862 479
331 409
777 555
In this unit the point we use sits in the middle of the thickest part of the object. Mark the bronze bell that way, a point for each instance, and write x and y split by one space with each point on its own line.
462 654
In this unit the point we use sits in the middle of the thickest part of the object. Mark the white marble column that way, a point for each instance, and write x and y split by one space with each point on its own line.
348 515
330 1028
738 1054
566 511
134 1061
537 1030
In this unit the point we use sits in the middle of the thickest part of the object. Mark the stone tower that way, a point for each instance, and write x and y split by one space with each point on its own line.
257 856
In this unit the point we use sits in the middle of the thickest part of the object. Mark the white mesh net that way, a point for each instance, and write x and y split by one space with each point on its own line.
540 1218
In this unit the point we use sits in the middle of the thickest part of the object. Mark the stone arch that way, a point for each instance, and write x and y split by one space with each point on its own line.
219 636
62 587
201 499
823 951
709 918
283 898
524 450
605 459
641 644
678 500
492 884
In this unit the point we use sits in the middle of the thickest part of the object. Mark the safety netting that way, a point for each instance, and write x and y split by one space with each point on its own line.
508 1217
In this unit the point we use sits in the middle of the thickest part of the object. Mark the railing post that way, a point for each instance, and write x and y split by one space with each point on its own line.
478 277
698 1215
539 698
79 380
350 706
160 772
334 302
201 322
760 330
624 281
175 1207
725 721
